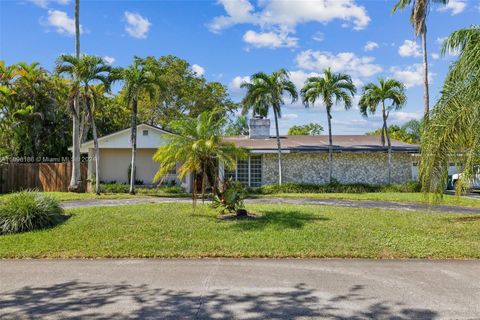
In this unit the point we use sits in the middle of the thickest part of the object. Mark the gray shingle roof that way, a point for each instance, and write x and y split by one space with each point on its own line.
320 143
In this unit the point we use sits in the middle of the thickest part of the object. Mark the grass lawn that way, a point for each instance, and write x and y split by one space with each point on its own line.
171 230
66 196
384 196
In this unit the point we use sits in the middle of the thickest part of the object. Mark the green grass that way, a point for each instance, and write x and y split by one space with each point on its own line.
416 197
67 196
171 230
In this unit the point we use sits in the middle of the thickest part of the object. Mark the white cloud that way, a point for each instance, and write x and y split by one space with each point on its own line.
137 26
45 3
411 76
61 22
108 59
318 36
454 6
402 116
341 62
199 70
237 82
409 48
289 116
269 39
370 45
282 17
440 40
435 56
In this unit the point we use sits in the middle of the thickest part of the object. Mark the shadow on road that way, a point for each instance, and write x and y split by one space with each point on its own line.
79 300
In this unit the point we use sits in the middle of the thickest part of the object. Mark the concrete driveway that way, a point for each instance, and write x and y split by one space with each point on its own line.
243 289
371 204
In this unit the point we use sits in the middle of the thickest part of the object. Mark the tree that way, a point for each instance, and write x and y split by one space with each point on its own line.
238 127
197 148
396 133
330 88
138 79
88 70
374 95
418 19
75 109
182 92
33 115
310 129
414 128
265 91
452 133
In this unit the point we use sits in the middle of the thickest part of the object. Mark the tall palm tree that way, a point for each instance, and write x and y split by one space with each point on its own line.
418 19
265 91
88 70
198 147
138 78
374 95
452 133
329 88
75 181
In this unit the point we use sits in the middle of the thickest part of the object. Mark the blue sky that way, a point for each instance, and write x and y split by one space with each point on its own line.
227 41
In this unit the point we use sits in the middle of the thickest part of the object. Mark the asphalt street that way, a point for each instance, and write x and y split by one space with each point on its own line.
239 288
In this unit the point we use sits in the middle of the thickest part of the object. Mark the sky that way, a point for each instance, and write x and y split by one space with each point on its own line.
229 40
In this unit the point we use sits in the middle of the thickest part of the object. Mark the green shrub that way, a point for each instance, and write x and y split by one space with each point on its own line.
115 187
27 210
334 187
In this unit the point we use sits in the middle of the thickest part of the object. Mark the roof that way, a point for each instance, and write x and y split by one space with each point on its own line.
351 143
106 141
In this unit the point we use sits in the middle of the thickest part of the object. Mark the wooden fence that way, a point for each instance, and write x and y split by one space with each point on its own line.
40 176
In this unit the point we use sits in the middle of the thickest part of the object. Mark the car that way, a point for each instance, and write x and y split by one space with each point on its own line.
474 184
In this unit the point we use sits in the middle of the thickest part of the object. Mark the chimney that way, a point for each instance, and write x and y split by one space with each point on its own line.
259 128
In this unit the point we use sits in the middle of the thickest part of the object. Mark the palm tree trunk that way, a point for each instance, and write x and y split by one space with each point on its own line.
134 146
330 146
279 148
388 143
426 108
95 144
77 28
75 180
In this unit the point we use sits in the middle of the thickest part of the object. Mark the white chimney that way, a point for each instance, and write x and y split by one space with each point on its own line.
259 128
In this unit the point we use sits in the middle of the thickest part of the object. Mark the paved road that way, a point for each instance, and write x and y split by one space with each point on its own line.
404 206
244 289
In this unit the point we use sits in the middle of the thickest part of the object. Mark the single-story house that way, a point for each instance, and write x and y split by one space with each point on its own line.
356 159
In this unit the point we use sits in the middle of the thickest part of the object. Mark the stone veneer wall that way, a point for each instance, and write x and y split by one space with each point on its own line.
348 167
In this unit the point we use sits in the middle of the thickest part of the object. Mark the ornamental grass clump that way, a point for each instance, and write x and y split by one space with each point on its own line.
27 211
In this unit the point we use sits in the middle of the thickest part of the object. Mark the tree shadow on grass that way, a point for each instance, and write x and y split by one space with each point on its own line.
281 219
84 300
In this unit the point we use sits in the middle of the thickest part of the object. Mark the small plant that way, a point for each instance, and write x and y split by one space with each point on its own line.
230 198
27 211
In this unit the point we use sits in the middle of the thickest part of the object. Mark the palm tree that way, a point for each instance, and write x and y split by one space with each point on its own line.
88 70
198 148
138 78
330 87
75 181
374 95
452 132
265 91
418 19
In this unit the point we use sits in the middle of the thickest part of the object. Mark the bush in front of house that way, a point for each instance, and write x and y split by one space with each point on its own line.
115 187
27 211
334 187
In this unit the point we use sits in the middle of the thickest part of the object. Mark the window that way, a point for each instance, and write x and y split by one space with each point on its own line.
249 171
255 171
145 132
242 172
